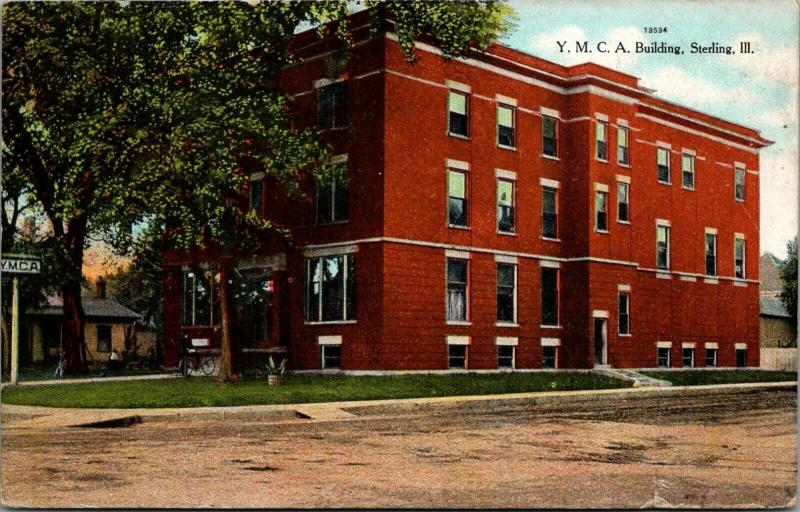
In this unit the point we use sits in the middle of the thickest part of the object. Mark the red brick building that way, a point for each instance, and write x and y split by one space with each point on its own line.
499 211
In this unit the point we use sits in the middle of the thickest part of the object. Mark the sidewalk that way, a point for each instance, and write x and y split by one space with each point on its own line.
86 380
49 417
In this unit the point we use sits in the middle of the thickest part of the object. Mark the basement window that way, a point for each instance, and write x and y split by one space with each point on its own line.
549 357
663 357
457 356
741 357
711 357
688 357
331 357
505 356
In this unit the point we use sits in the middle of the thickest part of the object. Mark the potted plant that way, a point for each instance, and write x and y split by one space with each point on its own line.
275 372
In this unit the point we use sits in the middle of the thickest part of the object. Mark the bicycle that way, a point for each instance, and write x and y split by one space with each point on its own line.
61 366
200 362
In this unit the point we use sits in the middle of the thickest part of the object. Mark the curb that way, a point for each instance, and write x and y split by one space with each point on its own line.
70 416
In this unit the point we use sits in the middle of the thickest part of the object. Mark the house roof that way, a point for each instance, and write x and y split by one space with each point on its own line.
92 307
772 306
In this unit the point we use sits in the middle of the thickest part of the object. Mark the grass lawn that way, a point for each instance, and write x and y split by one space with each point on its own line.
45 372
700 377
200 392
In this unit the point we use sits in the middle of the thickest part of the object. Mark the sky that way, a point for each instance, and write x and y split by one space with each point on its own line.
758 90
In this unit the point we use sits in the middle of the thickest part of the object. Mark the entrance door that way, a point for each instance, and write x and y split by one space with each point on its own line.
600 351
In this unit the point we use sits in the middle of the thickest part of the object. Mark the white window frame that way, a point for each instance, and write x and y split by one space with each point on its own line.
551 342
710 232
736 238
456 255
736 170
660 224
624 128
506 323
466 94
627 292
506 104
507 341
667 150
691 159
627 186
604 192
598 122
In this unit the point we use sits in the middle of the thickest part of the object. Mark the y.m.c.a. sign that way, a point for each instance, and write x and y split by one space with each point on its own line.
16 265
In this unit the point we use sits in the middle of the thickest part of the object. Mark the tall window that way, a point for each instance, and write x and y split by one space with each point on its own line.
687 170
505 206
688 357
457 289
549 296
623 202
505 356
506 295
623 151
738 257
330 288
662 157
505 125
549 136
332 106
600 138
663 357
601 211
104 338
458 113
662 246
711 254
257 195
624 309
457 207
739 183
331 201
549 212
199 296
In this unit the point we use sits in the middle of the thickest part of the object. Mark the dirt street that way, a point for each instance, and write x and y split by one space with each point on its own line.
735 450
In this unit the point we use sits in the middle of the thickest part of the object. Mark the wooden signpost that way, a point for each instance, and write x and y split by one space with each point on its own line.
17 264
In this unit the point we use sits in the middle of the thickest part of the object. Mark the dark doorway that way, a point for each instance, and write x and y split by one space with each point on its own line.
600 349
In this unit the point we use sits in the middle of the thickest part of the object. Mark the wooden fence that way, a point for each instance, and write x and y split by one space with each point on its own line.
784 359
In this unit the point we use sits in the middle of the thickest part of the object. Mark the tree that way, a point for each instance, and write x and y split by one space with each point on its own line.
788 273
123 112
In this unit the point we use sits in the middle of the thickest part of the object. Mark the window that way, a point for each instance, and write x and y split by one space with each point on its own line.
458 113
332 106
505 206
601 211
257 195
332 201
738 257
739 183
687 170
549 212
549 357
506 294
330 288
623 151
741 357
505 125
663 357
104 338
711 254
662 246
624 309
456 356
457 289
331 356
549 296
549 136
663 164
601 147
711 357
457 207
505 356
688 357
199 304
623 202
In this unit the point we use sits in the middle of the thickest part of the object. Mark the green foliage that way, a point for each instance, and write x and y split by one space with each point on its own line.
273 369
788 273
204 392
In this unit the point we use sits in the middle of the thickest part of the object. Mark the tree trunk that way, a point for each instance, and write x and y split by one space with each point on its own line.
228 371
6 350
74 325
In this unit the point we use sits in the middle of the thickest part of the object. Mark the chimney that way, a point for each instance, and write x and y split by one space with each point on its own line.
100 288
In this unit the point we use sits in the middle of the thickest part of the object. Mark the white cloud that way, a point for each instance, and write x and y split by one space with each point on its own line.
545 44
778 177
774 63
674 83
781 117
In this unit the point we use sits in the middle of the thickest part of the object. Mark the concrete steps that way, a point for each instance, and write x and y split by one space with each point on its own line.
638 379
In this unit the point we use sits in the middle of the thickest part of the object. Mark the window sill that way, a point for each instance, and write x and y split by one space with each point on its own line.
510 148
334 223
739 200
550 157
711 280
688 188
550 327
334 129
601 231
739 282
624 335
624 222
453 226
331 322
668 183
457 136
506 233
458 322
548 239
621 164
505 324
600 160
